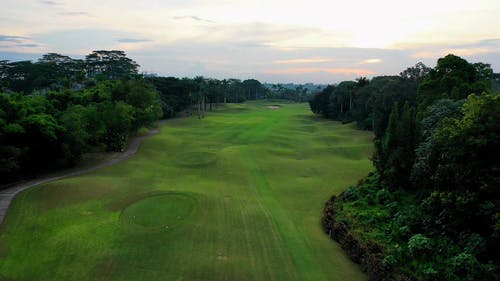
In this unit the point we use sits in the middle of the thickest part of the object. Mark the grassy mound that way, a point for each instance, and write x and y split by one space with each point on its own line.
163 211
196 159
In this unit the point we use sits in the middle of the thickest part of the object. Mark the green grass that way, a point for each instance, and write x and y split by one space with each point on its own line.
159 212
241 192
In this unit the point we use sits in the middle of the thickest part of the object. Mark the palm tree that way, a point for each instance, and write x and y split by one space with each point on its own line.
200 83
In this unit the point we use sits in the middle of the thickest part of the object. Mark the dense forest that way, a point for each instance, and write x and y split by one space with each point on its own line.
431 208
57 108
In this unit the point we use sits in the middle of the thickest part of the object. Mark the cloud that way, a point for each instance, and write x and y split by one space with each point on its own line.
260 34
268 63
16 56
344 71
275 64
483 43
28 45
195 18
79 40
252 50
434 52
74 14
50 3
251 44
10 38
8 42
370 61
465 49
132 40
83 41
303 60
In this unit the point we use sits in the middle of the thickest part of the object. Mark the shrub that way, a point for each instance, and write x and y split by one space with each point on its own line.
142 131
472 243
419 245
403 231
389 261
383 196
465 266
429 273
351 194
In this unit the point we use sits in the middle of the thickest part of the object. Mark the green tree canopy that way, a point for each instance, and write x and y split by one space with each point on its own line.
112 64
454 78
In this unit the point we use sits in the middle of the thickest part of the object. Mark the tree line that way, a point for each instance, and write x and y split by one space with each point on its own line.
432 205
44 132
56 109
57 72
199 94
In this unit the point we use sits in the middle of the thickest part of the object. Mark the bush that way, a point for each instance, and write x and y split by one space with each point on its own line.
465 266
419 245
472 243
351 194
389 261
429 273
403 231
142 131
383 196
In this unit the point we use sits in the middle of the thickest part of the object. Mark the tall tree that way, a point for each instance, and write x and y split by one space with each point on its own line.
416 73
454 78
201 87
253 89
112 64
320 102
63 69
395 154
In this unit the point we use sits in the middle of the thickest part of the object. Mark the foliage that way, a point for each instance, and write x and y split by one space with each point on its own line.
57 108
44 132
175 94
58 72
319 103
454 78
394 154
425 153
419 245
416 73
112 64
368 103
118 120
341 101
412 244
437 174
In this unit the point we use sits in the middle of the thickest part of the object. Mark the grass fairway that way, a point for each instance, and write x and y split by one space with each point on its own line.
235 196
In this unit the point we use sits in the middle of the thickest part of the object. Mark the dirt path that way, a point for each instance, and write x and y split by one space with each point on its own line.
8 194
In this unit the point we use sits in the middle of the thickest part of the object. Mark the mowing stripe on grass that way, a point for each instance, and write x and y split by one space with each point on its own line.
258 178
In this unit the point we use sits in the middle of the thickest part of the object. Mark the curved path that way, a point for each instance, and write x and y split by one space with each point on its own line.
8 194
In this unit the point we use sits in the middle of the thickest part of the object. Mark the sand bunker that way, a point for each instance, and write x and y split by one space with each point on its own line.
273 106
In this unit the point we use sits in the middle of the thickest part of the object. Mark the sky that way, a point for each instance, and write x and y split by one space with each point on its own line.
276 41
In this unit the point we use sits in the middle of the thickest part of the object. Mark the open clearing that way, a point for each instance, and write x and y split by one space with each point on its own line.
235 196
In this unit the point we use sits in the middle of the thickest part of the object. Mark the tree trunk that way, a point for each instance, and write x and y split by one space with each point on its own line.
199 109
204 107
373 121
